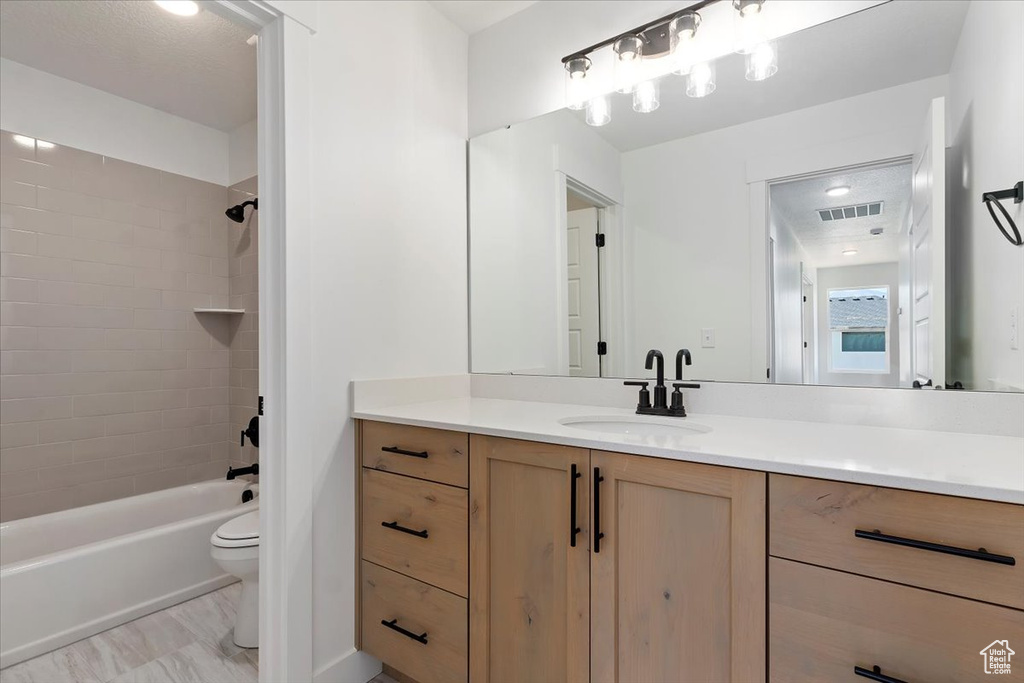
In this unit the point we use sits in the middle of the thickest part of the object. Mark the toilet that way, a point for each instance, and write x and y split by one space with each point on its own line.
236 549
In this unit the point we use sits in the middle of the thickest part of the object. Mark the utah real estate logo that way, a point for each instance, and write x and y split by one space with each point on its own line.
997 657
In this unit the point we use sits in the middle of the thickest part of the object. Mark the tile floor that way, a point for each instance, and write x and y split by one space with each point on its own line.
186 643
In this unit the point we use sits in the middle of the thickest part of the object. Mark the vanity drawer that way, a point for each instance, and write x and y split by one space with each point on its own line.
431 454
427 532
816 521
426 612
824 623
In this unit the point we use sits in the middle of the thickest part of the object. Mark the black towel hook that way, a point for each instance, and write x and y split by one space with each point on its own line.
1017 195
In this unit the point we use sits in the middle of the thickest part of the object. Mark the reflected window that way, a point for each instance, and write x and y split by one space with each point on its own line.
859 330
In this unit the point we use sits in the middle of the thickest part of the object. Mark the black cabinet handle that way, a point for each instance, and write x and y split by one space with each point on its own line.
875 674
405 530
573 529
393 625
598 535
402 451
979 554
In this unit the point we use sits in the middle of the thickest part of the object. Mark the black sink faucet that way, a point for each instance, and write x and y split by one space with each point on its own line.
680 355
660 393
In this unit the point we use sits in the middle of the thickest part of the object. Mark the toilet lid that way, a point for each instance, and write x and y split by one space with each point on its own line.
241 528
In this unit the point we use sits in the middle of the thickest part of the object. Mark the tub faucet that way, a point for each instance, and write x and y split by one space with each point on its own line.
251 469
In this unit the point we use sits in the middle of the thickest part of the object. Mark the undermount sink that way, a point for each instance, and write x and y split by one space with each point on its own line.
636 426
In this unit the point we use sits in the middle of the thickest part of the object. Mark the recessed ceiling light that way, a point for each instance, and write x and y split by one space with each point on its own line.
183 8
849 252
837 191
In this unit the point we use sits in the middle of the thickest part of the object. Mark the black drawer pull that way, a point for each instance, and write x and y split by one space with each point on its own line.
393 625
875 674
598 535
979 554
573 529
402 451
404 529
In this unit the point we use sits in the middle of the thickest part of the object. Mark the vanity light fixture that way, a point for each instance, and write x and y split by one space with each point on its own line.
599 111
701 81
762 62
849 252
646 97
682 32
749 20
576 82
183 8
838 190
628 51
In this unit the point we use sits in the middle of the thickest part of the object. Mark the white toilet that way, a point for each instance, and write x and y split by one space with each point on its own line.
236 549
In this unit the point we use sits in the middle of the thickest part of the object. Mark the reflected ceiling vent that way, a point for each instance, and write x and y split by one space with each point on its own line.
844 212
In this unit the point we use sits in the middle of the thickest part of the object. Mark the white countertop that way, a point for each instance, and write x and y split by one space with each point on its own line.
969 465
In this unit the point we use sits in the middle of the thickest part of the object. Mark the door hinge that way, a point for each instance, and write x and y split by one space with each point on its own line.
805 345
600 240
805 299
602 348
768 373
260 404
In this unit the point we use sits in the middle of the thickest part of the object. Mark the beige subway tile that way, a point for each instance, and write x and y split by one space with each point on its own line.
103 491
18 338
74 203
185 226
152 319
69 157
243 359
189 455
103 404
10 148
32 504
145 257
209 396
159 279
160 480
36 267
132 297
101 361
246 340
19 482
163 440
19 194
243 397
103 448
220 413
70 475
73 293
240 415
102 274
37 385
165 399
134 423
71 338
35 173
21 434
185 301
186 379
18 289
132 214
160 360
224 449
94 251
133 340
138 463
207 284
185 340
17 241
214 358
34 409
34 362
34 457
104 230
206 471
117 382
219 266
35 220
186 417
71 429
206 246
208 434
220 377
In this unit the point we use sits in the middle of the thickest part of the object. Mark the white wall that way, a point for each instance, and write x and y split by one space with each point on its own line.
517 259
687 214
985 115
871 275
789 255
47 107
242 153
388 249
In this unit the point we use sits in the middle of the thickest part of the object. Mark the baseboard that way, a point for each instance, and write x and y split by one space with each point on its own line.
354 666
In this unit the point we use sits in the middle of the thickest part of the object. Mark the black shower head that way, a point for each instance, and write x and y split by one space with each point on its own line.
237 212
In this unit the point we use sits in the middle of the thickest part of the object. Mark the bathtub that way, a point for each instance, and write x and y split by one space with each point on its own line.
69 575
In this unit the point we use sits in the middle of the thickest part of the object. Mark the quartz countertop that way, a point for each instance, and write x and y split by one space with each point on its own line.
956 464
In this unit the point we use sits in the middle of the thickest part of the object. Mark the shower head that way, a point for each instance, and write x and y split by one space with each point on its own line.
237 212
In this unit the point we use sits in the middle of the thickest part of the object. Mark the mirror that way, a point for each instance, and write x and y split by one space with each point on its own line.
824 225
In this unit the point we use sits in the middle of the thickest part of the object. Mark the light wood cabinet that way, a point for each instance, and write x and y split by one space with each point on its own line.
529 615
677 571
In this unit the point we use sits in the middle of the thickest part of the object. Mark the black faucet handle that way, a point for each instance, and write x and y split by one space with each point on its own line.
685 385
636 384
644 400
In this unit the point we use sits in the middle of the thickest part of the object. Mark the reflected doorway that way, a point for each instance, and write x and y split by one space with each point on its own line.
583 241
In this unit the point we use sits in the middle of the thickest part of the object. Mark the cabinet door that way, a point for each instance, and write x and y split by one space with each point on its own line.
529 585
677 571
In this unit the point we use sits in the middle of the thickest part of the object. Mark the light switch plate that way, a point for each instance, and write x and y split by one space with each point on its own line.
707 337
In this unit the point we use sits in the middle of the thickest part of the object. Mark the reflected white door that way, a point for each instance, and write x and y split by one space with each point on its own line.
928 249
807 326
583 294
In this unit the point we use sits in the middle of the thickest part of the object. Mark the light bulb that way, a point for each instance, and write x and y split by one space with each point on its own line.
576 82
701 82
749 22
628 52
646 97
762 62
598 111
183 8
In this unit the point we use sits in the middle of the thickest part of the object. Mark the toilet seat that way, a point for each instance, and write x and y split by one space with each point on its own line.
240 532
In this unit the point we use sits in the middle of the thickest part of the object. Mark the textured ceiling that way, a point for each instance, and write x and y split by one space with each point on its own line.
876 48
199 67
476 15
795 206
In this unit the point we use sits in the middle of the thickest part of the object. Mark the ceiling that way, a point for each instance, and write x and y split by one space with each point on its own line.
795 206
199 68
876 48
476 15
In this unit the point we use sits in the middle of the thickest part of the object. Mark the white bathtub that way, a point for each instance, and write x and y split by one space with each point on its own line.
71 574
